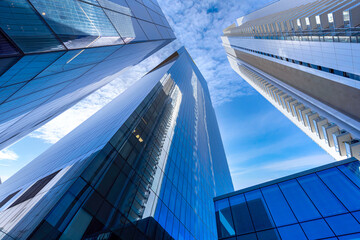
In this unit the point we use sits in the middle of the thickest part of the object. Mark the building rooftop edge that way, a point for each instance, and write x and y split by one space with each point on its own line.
282 179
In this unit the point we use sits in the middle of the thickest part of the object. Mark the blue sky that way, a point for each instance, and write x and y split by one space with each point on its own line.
261 144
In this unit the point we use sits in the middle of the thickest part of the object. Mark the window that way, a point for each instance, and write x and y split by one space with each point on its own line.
258 210
343 224
324 200
278 207
317 229
35 189
224 222
292 232
317 18
241 215
330 18
299 202
3 202
342 187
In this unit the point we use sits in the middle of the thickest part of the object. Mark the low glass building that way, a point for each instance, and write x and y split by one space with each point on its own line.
146 166
55 53
321 203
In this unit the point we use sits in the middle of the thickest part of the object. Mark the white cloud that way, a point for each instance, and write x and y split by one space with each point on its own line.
245 175
7 154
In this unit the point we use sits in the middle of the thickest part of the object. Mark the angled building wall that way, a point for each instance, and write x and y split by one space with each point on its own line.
153 153
55 53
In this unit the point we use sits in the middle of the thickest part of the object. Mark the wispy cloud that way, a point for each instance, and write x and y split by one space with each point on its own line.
247 175
7 154
198 25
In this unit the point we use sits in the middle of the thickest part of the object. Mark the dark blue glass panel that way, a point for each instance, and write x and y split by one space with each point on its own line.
26 28
6 47
317 229
251 236
6 63
241 215
78 24
224 222
299 202
321 196
278 206
343 224
356 215
28 67
258 210
271 234
355 236
342 187
293 232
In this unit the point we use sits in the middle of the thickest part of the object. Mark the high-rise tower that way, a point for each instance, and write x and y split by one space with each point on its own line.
150 160
303 57
55 53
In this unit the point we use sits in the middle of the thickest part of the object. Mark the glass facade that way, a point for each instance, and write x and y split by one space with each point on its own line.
55 53
322 203
145 171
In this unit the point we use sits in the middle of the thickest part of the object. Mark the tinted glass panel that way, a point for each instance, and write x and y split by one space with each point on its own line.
317 229
78 24
268 235
324 200
343 224
292 232
224 222
301 205
258 210
251 236
278 206
22 24
241 215
6 47
342 187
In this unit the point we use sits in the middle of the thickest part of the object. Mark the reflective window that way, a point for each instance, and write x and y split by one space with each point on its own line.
251 236
22 24
324 200
343 224
6 47
224 222
317 229
241 215
78 24
278 206
342 187
301 205
292 232
268 235
258 210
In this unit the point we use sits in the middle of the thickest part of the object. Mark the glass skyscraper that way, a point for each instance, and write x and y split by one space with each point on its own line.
146 166
321 203
54 53
303 57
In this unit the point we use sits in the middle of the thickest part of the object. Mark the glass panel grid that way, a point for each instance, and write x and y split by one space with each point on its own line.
324 204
